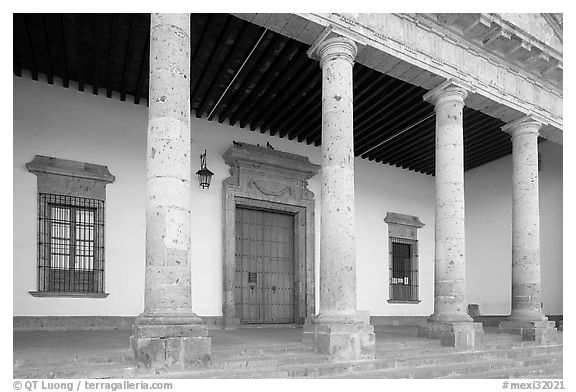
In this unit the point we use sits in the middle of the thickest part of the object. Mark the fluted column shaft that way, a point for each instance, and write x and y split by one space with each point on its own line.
168 273
337 246
526 284
449 285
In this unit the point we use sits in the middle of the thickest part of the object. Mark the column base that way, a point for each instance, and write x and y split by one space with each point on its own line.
342 338
542 332
162 347
231 322
463 335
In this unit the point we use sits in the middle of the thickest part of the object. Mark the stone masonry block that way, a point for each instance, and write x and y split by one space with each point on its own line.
176 353
464 336
542 332
341 341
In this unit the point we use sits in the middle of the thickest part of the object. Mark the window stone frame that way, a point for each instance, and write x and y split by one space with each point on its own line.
405 227
70 178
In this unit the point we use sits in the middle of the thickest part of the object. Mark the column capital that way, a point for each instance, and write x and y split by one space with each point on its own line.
450 90
334 47
527 124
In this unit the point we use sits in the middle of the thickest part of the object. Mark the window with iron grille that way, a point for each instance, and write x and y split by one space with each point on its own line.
70 244
403 270
403 248
71 198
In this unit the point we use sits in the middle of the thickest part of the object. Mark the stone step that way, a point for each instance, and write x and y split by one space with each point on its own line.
461 370
101 371
547 371
392 351
268 361
118 357
324 368
290 360
232 352
430 359
407 343
268 326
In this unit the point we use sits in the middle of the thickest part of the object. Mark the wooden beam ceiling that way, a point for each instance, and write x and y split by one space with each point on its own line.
248 76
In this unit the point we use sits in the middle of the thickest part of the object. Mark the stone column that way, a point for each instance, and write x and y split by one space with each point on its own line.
450 321
526 316
168 334
338 330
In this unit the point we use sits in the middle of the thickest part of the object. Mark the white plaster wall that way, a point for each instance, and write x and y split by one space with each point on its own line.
66 123
489 233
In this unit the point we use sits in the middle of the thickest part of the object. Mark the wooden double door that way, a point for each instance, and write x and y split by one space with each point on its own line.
264 289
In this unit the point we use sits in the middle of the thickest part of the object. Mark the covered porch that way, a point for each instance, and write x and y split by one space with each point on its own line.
326 89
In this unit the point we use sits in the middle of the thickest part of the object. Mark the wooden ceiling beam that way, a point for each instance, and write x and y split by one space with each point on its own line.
50 71
95 32
202 39
310 131
208 66
387 131
125 60
307 123
252 67
395 148
497 154
221 103
395 120
260 76
486 133
416 146
16 62
142 75
376 91
405 150
81 53
265 83
364 83
233 51
64 52
312 103
272 95
315 98
486 149
417 160
286 101
34 64
421 133
495 150
394 151
380 110
110 58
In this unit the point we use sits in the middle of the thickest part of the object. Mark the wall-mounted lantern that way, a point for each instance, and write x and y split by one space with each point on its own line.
204 175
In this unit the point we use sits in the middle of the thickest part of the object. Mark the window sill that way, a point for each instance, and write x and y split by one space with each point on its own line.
398 301
67 294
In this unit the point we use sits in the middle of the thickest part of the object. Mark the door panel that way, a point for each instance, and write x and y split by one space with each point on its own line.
264 266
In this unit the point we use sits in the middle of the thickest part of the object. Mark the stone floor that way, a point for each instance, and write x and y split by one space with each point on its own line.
67 354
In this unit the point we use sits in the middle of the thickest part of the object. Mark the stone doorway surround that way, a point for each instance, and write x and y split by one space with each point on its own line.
273 180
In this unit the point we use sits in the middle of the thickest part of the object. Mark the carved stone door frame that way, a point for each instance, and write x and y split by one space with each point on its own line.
272 180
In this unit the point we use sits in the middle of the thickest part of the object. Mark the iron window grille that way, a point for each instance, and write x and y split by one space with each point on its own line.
70 244
403 269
